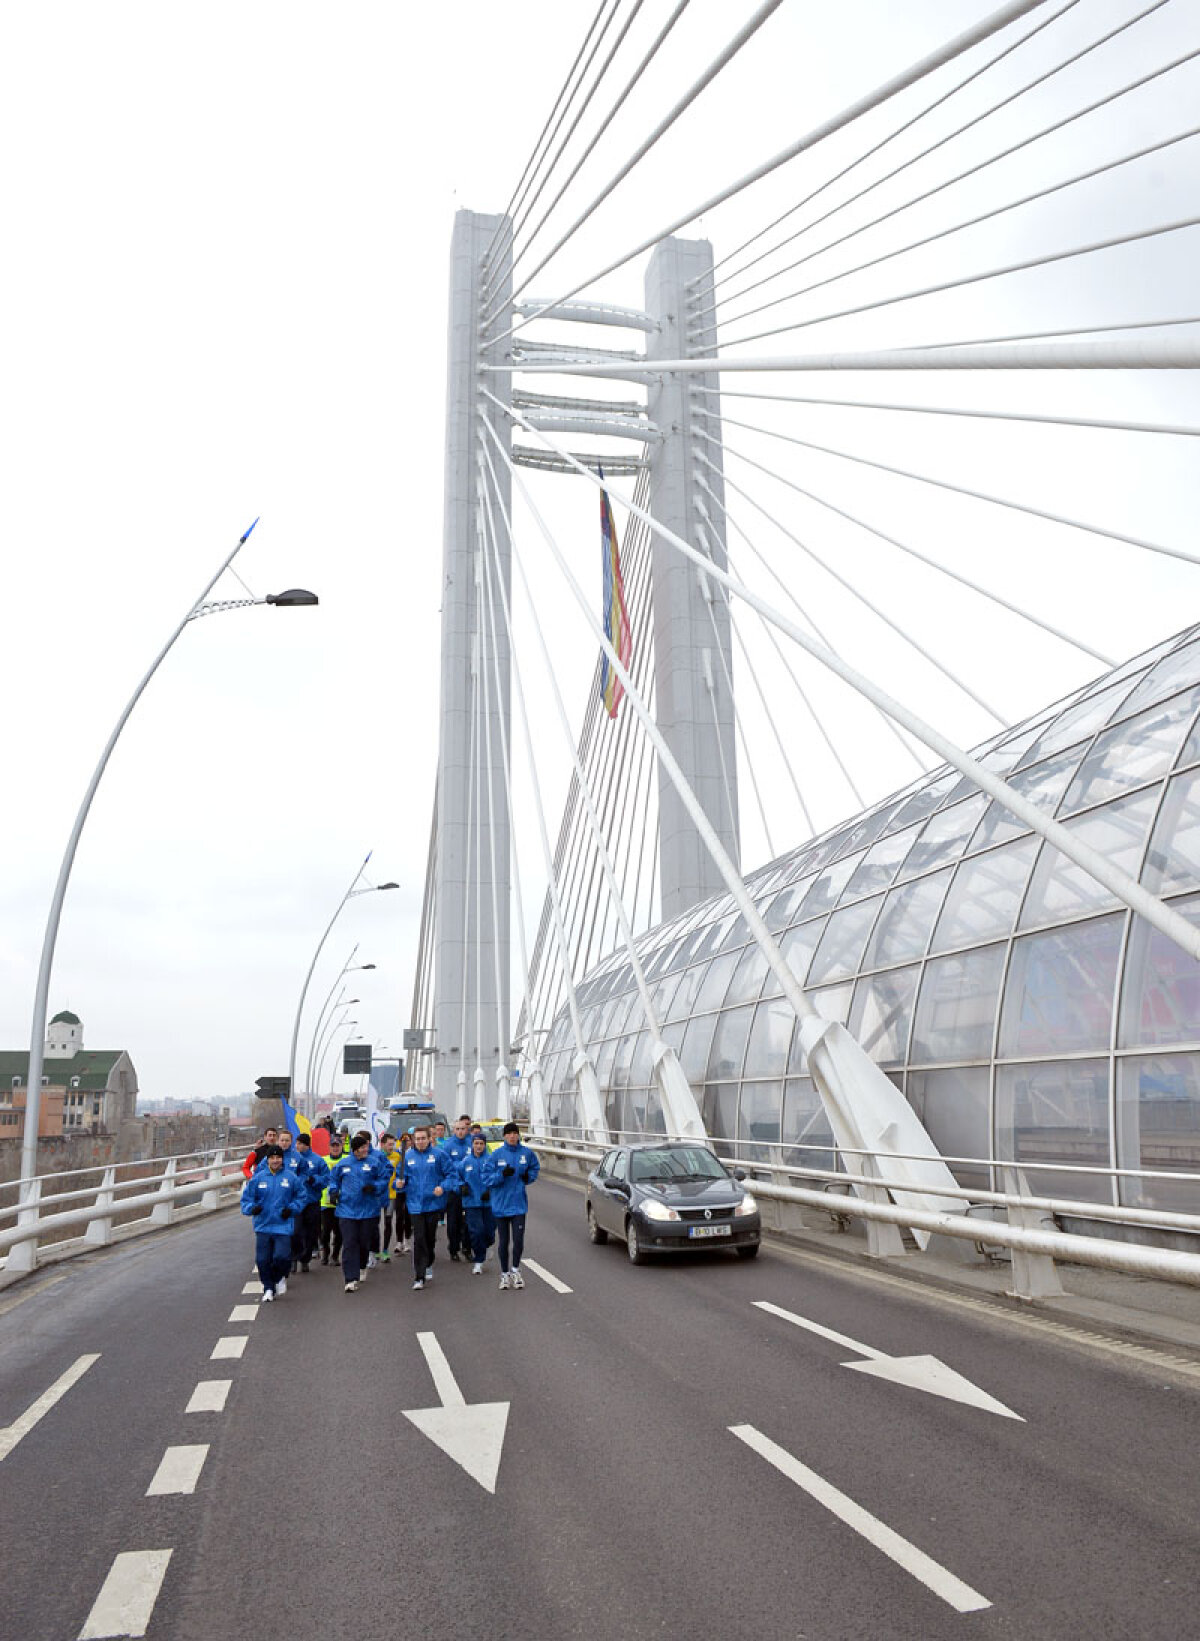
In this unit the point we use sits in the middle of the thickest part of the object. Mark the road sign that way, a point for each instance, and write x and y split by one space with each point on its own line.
356 1059
273 1088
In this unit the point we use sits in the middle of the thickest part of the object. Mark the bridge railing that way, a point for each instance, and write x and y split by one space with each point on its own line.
87 1205
1029 1232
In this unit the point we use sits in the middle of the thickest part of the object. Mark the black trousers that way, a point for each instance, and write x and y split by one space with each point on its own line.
304 1242
331 1227
386 1236
424 1228
515 1222
356 1245
404 1228
457 1237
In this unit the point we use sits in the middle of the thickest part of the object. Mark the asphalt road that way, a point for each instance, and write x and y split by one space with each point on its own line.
676 1462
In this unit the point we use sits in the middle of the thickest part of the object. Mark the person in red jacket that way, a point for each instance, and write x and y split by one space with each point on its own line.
270 1138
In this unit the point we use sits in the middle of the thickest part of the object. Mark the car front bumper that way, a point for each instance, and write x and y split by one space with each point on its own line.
672 1236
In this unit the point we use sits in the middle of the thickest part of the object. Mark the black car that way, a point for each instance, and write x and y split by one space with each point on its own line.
670 1197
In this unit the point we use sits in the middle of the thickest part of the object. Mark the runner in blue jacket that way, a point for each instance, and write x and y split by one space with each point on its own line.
423 1174
273 1197
316 1177
358 1189
510 1169
456 1146
476 1199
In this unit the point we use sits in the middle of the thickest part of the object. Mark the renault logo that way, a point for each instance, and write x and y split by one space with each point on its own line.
708 1213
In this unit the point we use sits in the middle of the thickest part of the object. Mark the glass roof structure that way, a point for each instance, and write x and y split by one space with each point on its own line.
1025 1014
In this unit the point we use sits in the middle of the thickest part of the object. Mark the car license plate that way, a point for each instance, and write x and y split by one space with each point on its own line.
709 1230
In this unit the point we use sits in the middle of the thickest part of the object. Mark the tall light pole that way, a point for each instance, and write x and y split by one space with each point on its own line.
322 1044
295 596
351 967
351 893
348 1024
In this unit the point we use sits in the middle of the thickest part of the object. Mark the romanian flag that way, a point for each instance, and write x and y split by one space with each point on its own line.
616 616
298 1124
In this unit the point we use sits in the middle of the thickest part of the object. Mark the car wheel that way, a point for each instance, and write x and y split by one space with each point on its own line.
750 1251
595 1234
633 1244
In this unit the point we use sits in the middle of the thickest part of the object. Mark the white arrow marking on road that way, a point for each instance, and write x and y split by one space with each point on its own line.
11 1434
931 1573
917 1372
472 1436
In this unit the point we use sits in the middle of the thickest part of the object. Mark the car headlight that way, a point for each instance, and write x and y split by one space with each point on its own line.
747 1205
653 1209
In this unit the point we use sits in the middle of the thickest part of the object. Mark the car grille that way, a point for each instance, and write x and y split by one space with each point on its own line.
695 1216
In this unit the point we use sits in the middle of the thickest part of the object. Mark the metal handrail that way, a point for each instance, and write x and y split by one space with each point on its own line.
84 1216
131 1162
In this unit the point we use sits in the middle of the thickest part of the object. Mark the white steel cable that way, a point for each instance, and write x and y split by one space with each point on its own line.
1046 259
1068 330
923 558
807 617
599 843
466 930
1096 865
502 1030
941 142
708 282
955 227
748 30
988 26
739 728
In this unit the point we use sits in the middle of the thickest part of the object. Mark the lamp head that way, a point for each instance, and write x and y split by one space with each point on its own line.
293 597
387 885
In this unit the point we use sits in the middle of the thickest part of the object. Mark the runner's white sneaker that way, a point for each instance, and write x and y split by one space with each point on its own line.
518 1281
504 1282
351 1287
429 1274
371 1262
477 1270
268 1294
419 1283
281 1287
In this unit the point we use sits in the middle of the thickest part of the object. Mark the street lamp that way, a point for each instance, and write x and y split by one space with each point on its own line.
319 1046
351 893
293 597
351 967
325 1054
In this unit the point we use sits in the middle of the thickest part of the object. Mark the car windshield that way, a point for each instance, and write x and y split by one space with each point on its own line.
675 1162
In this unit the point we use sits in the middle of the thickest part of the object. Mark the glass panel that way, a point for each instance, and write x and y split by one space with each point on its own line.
684 1000
1060 889
715 935
1158 1128
956 1014
1043 785
881 1013
770 1039
881 863
737 935
953 1105
716 982
747 977
729 1044
798 946
661 995
841 948
1059 996
785 905
718 1107
985 895
693 1056
823 896
902 931
618 1077
1056 1112
806 1130
924 800
868 829
759 1115
602 1061
1080 722
1133 752
622 1012
831 1003
1173 858
1160 993
1174 672
639 1070
945 836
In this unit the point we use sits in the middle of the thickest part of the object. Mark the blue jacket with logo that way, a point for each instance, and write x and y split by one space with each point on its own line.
316 1175
361 1186
472 1179
422 1171
276 1192
457 1151
509 1170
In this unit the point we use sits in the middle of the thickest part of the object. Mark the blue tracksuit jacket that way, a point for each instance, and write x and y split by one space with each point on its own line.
509 1170
421 1172
276 1192
361 1185
472 1177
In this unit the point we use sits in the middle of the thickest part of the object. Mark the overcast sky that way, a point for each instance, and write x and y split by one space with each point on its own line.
228 228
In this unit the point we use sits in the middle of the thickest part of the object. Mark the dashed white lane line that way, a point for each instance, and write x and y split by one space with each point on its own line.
11 1434
127 1596
931 1573
243 1313
547 1278
210 1396
179 1470
230 1347
252 1287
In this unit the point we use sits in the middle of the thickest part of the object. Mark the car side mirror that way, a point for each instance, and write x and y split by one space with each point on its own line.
739 1173
620 1185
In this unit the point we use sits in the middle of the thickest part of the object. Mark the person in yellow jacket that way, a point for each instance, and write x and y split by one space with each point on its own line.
390 1152
329 1224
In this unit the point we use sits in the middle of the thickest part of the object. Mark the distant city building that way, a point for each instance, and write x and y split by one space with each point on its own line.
82 1089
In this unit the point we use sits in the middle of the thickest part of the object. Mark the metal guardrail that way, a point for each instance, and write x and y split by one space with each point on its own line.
1033 1240
204 1175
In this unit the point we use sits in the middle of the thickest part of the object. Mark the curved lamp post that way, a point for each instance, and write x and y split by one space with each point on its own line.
347 1025
351 967
293 597
322 1043
351 893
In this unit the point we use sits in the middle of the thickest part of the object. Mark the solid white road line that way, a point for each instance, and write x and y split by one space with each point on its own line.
231 1346
210 1396
547 1278
179 1470
935 1577
243 1313
444 1381
12 1434
127 1596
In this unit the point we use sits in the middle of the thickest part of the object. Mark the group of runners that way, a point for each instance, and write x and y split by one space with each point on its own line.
349 1205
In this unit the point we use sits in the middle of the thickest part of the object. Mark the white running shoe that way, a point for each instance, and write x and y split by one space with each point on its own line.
504 1281
268 1294
371 1262
281 1287
362 1275
351 1287
518 1281
429 1274
477 1269
419 1283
